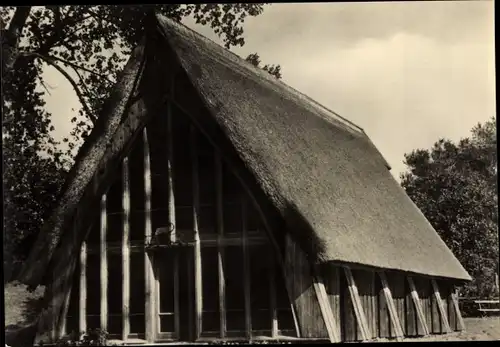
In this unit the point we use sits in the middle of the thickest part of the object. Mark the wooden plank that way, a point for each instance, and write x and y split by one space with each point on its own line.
383 312
220 249
456 308
177 322
424 294
332 287
290 280
272 299
325 308
396 283
348 315
170 175
148 233
374 306
358 308
82 307
246 269
125 251
192 113
198 283
365 281
442 312
393 314
103 262
61 330
302 293
418 324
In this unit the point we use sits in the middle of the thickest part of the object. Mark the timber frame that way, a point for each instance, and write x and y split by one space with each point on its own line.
331 302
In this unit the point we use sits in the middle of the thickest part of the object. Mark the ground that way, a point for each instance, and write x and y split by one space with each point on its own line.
22 306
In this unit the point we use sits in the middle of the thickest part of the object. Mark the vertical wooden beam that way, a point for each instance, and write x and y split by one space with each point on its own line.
396 323
326 310
103 266
82 307
157 295
358 308
442 311
246 269
61 326
61 329
171 213
190 288
220 249
456 308
272 298
418 306
198 284
170 174
177 322
125 251
148 232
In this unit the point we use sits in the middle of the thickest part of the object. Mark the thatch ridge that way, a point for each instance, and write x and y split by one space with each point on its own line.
313 167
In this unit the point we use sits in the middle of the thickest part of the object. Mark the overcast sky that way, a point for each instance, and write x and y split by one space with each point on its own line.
408 73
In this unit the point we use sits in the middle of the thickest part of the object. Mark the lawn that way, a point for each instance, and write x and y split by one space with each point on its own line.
21 308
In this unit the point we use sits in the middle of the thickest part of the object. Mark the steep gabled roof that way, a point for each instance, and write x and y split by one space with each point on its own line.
321 172
308 158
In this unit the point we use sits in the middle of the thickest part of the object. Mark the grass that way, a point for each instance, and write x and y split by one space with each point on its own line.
22 307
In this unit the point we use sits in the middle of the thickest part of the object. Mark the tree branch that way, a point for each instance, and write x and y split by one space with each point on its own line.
75 66
10 42
51 61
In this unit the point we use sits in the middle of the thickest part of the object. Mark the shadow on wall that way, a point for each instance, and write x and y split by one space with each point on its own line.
304 234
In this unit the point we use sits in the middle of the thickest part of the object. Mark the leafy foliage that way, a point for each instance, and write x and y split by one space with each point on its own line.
455 186
89 45
274 70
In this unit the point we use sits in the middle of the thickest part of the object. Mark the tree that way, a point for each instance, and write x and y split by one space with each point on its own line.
455 186
88 45
274 70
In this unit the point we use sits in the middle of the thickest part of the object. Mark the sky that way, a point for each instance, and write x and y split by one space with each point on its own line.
408 73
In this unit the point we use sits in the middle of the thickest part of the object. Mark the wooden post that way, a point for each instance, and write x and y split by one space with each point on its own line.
418 306
148 232
220 249
103 266
246 269
126 252
82 307
396 323
460 320
358 308
177 321
170 173
197 248
61 329
171 213
442 311
272 299
326 310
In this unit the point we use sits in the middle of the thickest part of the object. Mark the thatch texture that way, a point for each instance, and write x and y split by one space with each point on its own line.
322 173
82 172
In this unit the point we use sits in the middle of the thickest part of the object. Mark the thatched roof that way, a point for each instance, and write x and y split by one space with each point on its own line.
320 171
307 157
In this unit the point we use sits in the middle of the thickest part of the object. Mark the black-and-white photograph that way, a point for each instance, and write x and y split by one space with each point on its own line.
249 173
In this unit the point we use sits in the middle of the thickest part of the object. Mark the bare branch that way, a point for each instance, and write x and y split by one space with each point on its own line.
52 62
73 65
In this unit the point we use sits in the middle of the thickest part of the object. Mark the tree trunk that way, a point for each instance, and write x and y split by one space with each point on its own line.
10 40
